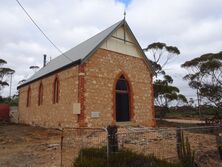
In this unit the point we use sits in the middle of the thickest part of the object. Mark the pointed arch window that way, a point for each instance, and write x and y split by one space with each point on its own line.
122 85
56 91
122 100
28 100
40 95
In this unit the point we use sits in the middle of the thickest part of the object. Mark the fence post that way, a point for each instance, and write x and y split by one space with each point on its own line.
107 144
61 144
112 138
81 151
178 140
219 144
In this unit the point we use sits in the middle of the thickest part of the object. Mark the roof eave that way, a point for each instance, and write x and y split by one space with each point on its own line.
77 62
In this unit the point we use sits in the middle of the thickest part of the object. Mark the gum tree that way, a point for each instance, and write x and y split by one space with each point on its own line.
166 93
160 56
4 73
205 75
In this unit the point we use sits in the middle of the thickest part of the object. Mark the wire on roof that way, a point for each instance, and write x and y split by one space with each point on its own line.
29 16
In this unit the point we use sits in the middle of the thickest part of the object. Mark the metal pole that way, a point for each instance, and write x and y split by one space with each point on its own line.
178 142
198 102
81 149
107 147
61 148
107 151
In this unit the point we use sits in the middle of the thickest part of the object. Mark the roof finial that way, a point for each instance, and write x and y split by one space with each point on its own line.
124 14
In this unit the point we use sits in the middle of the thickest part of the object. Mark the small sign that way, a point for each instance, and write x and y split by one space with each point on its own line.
76 108
95 114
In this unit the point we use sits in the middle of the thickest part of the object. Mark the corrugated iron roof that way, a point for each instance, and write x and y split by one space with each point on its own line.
78 54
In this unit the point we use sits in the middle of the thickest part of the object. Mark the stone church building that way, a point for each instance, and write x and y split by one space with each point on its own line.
105 80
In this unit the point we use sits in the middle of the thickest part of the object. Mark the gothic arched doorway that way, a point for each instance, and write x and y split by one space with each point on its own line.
122 100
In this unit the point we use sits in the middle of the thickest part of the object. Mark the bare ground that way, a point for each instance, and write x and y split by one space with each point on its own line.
27 146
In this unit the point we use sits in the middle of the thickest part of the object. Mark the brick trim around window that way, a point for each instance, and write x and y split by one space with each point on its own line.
130 93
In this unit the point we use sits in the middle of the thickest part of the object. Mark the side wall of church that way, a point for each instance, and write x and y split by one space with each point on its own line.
51 114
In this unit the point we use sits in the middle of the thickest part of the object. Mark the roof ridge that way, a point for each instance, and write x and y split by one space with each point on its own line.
78 53
95 35
113 27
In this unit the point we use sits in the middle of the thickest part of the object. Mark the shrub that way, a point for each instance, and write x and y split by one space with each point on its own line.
94 157
185 154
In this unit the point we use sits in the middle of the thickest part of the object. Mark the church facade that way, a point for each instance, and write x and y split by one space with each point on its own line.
105 80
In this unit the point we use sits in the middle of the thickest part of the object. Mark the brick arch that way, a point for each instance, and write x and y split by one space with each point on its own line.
56 90
131 101
28 98
40 94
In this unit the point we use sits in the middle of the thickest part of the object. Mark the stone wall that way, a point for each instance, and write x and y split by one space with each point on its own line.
49 114
101 72
96 92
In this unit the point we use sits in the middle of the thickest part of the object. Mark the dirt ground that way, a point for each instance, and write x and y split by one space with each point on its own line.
163 146
26 146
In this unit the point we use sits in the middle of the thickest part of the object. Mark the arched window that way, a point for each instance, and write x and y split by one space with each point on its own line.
28 100
40 96
122 85
122 100
56 91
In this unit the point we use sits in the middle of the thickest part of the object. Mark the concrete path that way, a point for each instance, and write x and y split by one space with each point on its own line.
184 121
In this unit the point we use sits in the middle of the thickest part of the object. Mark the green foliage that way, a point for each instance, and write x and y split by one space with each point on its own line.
187 111
161 54
93 157
4 72
185 154
205 75
11 101
164 91
2 62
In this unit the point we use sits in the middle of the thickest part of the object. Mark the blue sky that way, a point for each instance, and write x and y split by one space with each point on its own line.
126 2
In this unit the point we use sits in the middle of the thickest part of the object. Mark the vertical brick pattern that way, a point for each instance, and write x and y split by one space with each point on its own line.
101 71
92 85
152 96
49 114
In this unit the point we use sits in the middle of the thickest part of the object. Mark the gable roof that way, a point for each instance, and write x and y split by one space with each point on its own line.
81 53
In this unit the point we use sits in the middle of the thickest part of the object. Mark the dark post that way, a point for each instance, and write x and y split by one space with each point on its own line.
112 138
61 147
44 60
219 144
